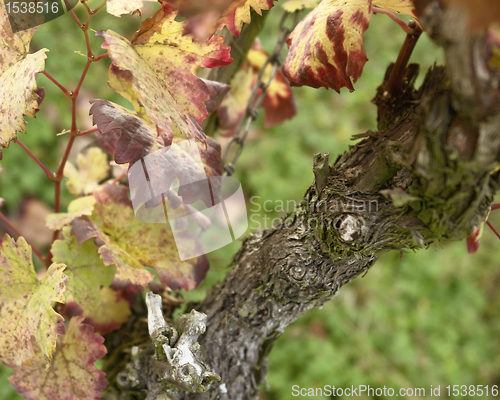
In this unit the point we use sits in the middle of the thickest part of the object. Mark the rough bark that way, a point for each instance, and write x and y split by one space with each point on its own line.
428 175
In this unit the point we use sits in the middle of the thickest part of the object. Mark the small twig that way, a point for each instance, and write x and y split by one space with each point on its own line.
47 171
98 8
82 77
64 90
68 6
119 178
493 229
408 29
14 229
393 82
100 57
87 132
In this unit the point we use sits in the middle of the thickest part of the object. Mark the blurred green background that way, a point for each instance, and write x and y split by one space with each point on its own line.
430 318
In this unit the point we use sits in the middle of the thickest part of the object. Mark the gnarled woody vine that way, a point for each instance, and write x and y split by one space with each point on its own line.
431 168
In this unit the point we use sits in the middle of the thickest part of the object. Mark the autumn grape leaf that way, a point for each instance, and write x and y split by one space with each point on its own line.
278 103
112 311
85 270
233 108
156 74
242 14
326 48
92 167
18 70
131 244
77 208
72 374
120 7
26 304
204 16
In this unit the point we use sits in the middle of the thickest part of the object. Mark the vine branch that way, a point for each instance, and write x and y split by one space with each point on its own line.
47 171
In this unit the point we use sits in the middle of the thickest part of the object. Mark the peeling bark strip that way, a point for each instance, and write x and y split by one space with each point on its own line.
431 168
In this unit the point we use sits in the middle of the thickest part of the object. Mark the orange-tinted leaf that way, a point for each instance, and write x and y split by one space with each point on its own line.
278 103
18 70
326 48
72 374
204 16
233 107
131 244
242 14
26 304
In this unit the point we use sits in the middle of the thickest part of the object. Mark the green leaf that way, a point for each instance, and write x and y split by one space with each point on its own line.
27 304
86 271
72 374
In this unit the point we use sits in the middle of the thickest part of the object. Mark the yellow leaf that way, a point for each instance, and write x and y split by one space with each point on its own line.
27 304
92 167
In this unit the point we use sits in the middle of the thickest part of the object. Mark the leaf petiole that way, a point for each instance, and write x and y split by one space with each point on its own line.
47 171
55 82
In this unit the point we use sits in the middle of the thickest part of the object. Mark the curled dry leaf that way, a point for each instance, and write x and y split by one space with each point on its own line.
72 374
26 304
130 138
